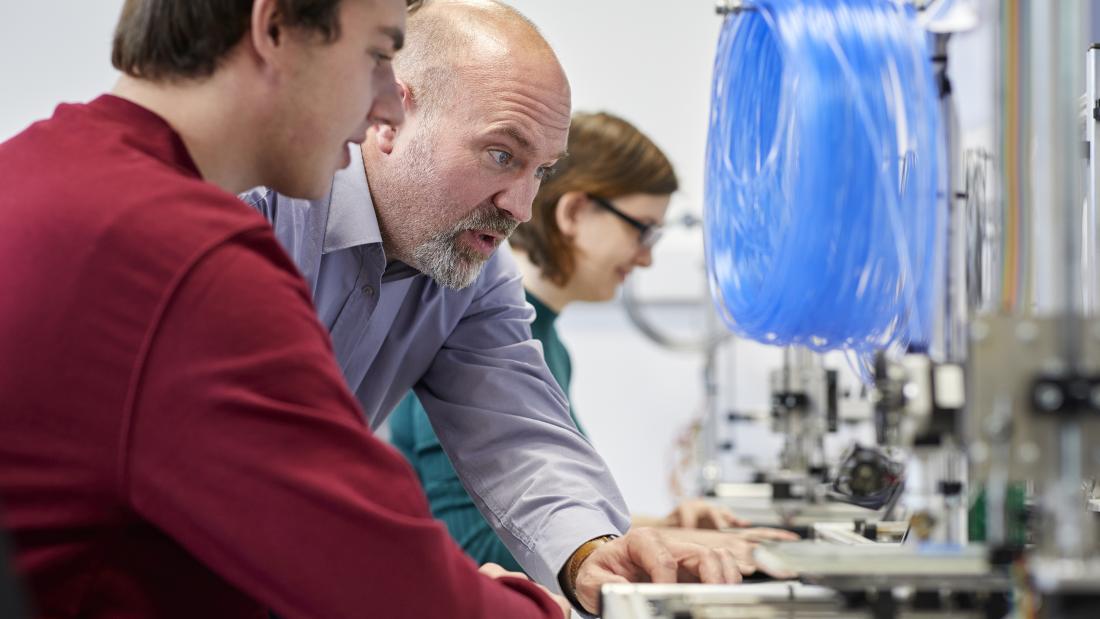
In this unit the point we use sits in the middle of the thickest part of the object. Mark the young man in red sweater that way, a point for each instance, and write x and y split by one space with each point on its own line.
177 438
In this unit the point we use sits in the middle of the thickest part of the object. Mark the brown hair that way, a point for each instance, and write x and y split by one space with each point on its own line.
181 39
608 158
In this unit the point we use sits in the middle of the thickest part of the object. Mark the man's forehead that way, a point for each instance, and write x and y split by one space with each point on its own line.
492 101
376 18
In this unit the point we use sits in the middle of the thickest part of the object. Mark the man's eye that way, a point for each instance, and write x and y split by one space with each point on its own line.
501 157
544 172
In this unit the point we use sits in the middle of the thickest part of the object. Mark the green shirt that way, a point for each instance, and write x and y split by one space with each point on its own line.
412 434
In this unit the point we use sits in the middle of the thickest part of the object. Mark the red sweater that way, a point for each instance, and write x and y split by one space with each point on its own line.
175 437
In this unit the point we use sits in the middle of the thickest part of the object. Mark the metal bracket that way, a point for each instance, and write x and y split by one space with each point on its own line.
1069 394
790 401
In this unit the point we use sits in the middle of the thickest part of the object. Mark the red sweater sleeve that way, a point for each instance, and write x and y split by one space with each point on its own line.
246 447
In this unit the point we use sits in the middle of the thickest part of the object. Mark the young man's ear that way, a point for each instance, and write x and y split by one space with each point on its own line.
569 209
267 30
385 131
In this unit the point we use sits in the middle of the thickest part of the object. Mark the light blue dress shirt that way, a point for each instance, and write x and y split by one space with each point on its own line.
499 414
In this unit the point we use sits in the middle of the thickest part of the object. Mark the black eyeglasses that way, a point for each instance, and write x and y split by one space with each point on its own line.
649 234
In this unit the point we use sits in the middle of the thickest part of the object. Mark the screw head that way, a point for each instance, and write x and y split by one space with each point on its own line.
1049 397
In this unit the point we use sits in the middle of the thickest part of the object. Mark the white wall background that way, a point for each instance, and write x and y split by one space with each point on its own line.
52 51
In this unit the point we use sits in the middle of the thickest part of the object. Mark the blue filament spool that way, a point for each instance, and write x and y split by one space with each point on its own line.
821 176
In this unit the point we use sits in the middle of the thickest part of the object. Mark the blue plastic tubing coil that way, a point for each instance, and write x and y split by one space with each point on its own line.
821 175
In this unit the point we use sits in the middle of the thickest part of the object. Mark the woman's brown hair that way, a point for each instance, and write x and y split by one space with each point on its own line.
608 158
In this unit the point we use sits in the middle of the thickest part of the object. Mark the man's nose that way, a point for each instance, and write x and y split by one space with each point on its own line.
387 109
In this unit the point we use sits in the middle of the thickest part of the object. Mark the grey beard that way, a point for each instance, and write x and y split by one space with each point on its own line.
451 265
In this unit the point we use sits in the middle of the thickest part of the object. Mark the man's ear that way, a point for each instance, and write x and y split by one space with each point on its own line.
267 32
386 134
567 213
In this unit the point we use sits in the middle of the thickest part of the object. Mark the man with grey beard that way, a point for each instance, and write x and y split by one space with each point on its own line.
406 277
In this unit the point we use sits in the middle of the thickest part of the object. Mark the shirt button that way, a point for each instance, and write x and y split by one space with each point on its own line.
368 290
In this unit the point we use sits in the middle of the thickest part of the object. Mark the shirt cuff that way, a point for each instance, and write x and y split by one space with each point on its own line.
563 534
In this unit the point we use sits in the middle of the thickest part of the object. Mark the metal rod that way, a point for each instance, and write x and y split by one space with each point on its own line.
1090 218
956 300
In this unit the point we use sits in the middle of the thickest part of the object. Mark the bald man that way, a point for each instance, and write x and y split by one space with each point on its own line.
406 276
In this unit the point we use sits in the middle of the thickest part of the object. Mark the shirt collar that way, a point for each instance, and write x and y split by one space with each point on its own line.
351 217
145 128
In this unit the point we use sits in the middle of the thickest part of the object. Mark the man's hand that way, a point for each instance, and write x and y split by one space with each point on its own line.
741 543
494 571
647 555
698 514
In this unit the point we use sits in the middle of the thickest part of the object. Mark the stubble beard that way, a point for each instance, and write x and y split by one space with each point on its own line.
444 257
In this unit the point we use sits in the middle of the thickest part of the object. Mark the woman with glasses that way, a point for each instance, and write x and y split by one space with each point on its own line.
594 221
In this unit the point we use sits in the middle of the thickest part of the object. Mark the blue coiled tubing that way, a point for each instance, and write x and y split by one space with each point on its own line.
821 210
